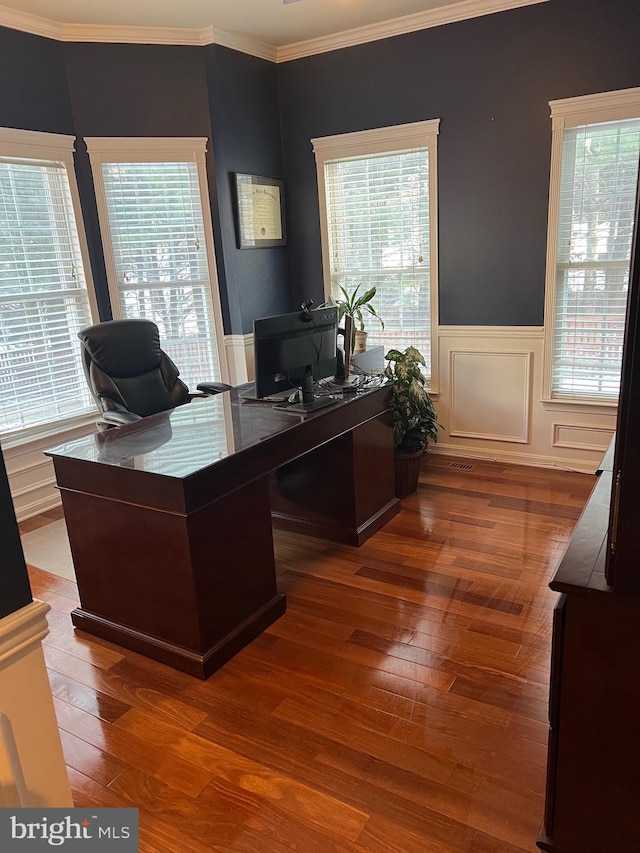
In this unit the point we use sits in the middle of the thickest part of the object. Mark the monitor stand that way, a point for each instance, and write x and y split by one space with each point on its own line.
310 403
305 408
350 382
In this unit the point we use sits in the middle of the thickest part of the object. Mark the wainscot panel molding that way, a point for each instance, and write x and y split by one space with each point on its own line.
577 444
31 476
527 332
582 436
32 766
490 394
73 32
239 351
490 403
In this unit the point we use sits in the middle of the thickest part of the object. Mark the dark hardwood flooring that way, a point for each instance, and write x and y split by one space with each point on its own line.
399 706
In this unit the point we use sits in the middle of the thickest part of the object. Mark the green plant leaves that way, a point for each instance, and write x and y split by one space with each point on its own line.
353 305
415 421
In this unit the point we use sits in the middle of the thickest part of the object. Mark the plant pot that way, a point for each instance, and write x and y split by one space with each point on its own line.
361 342
407 471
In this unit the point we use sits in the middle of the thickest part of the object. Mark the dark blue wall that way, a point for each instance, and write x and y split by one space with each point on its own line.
33 87
243 102
489 81
160 90
131 90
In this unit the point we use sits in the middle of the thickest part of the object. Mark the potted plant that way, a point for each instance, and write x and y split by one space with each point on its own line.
415 421
353 306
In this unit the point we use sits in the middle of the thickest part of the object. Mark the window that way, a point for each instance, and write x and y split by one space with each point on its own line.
44 298
378 215
156 226
594 174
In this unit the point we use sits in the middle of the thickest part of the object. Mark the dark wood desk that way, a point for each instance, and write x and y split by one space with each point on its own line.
169 519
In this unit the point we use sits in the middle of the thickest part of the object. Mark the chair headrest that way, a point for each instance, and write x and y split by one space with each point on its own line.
123 348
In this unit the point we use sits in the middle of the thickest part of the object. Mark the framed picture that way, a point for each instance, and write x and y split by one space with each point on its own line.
259 211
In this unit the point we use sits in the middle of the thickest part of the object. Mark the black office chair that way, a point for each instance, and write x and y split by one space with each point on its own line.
128 374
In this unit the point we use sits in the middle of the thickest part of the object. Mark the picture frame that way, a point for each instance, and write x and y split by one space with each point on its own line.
259 211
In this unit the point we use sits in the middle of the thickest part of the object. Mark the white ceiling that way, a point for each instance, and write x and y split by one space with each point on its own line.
268 21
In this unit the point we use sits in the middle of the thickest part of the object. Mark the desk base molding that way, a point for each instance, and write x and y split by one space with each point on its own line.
198 664
344 535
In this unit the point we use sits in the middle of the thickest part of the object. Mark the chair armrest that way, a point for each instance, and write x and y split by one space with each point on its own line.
213 387
117 418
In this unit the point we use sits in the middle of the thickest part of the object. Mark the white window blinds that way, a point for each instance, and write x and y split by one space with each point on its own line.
43 293
153 229
598 181
378 194
378 226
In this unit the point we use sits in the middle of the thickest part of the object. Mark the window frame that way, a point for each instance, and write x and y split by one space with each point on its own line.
619 105
422 134
182 149
59 148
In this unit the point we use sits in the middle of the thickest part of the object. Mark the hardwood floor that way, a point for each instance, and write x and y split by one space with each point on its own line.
399 706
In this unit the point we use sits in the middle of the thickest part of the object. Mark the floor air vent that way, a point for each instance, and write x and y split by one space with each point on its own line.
445 463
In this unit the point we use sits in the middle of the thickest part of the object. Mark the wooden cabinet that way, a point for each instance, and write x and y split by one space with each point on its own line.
593 778
593 771
623 547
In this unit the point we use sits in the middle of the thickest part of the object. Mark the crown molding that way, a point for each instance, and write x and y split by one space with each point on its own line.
27 23
199 37
37 26
244 44
399 26
96 33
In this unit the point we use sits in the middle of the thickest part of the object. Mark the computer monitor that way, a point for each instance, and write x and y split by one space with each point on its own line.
294 351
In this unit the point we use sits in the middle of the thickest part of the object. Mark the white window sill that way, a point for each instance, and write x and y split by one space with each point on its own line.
49 434
584 405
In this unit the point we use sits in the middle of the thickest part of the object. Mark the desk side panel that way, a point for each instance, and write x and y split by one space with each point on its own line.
132 565
232 559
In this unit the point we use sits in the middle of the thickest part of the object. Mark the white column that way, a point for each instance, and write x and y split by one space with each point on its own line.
32 767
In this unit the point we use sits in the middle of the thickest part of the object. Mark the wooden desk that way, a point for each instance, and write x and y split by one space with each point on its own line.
170 519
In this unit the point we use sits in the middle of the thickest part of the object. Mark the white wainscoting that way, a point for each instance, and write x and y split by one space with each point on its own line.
31 476
490 403
490 395
239 350
582 437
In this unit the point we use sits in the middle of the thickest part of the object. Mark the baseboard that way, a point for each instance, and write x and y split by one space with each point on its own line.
29 510
528 459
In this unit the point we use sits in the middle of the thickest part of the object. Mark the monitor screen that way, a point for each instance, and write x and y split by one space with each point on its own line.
294 350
